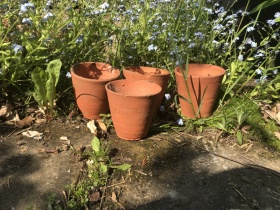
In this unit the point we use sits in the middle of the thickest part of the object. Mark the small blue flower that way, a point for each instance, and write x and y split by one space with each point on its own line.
26 21
254 44
80 38
47 16
17 48
275 71
277 15
218 27
251 28
104 6
262 79
161 108
180 121
68 75
240 57
271 22
24 7
152 47
259 72
167 96
191 45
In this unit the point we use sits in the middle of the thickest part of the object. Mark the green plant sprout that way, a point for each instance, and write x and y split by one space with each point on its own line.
45 85
98 165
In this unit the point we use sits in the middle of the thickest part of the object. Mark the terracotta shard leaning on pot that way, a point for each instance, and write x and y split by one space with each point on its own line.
132 105
203 85
156 75
89 80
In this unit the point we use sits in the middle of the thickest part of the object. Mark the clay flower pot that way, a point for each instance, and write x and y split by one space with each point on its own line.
203 81
156 75
132 105
89 80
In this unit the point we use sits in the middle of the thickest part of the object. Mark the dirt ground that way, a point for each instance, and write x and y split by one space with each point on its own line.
170 170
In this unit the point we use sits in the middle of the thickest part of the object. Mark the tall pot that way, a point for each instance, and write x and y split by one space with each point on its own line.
89 80
203 82
132 105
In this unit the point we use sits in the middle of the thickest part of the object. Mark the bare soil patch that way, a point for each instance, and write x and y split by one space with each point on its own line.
170 170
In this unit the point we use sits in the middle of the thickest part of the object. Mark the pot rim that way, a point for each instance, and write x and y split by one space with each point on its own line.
219 70
94 80
132 96
164 72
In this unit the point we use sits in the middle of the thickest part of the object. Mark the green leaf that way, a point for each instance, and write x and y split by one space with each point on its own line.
95 145
122 167
264 5
277 19
103 168
239 137
54 69
38 77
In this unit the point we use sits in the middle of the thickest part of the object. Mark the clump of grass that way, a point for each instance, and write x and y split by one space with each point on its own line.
260 130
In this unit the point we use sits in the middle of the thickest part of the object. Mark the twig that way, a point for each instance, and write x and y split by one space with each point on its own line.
239 193
19 132
113 185
9 183
11 133
140 172
253 166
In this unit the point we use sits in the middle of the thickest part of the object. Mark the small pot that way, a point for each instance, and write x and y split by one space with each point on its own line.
89 80
132 105
203 82
156 75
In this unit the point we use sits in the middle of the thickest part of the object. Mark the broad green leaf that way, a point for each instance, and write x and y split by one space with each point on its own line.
103 168
50 87
38 77
239 137
54 69
95 144
122 167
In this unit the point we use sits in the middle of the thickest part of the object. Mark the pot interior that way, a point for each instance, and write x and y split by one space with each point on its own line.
95 70
146 70
139 88
201 70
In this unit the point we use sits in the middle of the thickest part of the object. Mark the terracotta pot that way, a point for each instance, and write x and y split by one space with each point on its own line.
132 105
203 82
156 75
89 80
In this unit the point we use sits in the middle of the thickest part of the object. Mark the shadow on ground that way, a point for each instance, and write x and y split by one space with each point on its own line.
182 176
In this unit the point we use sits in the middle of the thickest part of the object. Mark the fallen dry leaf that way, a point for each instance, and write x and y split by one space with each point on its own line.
27 121
102 125
277 134
32 134
4 111
92 127
114 196
63 138
94 196
245 129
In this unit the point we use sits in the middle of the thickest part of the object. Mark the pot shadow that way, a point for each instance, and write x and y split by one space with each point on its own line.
183 178
13 169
